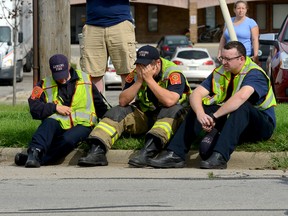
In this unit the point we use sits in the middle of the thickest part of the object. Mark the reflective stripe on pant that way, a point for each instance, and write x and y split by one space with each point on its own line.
168 121
133 121
118 120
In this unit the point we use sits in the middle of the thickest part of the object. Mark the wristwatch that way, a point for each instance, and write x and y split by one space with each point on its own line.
212 116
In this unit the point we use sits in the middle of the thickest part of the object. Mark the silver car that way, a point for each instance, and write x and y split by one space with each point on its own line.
196 63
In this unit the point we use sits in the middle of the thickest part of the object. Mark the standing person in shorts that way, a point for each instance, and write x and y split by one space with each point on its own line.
109 31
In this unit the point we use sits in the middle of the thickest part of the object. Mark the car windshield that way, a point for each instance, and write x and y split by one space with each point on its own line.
176 40
192 54
5 34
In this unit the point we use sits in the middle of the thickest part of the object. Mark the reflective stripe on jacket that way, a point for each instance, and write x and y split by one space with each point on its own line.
221 79
83 110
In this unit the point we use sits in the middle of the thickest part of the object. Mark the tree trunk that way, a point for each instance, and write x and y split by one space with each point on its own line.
54 32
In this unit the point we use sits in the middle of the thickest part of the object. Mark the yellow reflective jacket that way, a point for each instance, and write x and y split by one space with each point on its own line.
168 67
83 110
221 79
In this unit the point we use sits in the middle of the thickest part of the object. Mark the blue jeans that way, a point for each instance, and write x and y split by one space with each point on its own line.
55 142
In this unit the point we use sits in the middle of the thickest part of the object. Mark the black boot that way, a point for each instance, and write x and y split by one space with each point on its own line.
33 160
215 161
167 159
95 157
20 159
150 150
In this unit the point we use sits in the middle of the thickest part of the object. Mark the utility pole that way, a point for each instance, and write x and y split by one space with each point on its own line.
15 30
54 32
228 20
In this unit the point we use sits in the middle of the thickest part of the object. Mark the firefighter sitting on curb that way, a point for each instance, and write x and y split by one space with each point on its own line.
161 90
237 100
67 103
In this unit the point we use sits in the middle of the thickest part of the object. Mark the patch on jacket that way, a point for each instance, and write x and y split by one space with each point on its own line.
36 92
175 78
130 77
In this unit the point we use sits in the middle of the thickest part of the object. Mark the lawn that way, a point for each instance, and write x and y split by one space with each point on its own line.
17 128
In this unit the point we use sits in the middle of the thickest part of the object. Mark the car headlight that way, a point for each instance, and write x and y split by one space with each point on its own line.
284 60
285 63
7 63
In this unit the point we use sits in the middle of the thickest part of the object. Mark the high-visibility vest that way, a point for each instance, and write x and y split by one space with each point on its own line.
221 79
168 67
83 110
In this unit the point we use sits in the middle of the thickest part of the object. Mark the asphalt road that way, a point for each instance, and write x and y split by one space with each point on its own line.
114 190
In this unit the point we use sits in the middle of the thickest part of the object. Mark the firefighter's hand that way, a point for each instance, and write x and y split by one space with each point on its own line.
63 110
139 73
148 72
206 121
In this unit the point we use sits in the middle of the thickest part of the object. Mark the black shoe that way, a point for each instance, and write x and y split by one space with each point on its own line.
150 150
95 157
207 144
216 161
20 159
167 159
33 160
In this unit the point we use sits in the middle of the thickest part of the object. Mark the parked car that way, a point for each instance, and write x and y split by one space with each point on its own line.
167 44
265 49
110 77
196 63
277 62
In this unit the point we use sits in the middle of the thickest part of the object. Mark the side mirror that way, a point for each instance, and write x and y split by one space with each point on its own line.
20 37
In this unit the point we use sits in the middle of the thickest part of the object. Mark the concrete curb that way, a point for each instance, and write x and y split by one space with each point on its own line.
239 160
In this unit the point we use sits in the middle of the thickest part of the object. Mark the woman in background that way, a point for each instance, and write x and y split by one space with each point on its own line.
246 30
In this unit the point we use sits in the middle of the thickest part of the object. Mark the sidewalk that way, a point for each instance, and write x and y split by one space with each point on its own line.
239 160
21 96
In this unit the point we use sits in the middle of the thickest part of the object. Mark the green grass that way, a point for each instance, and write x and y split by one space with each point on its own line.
17 128
17 125
278 141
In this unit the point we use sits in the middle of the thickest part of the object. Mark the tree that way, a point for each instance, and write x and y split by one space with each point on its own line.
54 31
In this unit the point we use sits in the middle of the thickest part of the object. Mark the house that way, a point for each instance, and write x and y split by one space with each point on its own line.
155 18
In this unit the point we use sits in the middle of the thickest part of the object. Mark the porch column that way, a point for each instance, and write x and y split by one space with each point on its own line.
193 21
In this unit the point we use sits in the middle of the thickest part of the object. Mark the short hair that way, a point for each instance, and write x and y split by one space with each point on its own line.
238 2
237 45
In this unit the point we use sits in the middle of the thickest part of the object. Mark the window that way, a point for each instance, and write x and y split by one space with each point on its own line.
77 21
261 16
193 54
210 17
152 18
5 34
279 13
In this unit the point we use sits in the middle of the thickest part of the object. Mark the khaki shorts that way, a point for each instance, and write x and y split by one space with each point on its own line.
117 41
